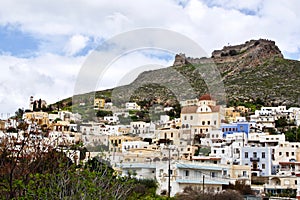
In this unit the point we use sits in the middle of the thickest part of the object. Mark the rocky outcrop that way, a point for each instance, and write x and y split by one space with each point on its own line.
252 53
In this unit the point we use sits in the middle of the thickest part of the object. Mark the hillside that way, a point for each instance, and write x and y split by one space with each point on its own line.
250 71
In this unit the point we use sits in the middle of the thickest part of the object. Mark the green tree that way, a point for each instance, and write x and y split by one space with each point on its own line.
19 113
190 194
103 113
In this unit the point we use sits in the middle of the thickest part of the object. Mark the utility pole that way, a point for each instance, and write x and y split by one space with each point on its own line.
169 174
203 177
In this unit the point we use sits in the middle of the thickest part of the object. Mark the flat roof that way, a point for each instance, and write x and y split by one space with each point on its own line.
206 182
191 166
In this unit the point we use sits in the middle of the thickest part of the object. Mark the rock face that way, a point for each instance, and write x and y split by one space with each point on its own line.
261 47
180 60
251 52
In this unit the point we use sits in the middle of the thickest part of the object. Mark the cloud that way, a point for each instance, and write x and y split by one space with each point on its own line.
76 44
62 34
123 71
49 77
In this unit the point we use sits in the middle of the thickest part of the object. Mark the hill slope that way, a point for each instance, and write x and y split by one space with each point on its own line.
250 71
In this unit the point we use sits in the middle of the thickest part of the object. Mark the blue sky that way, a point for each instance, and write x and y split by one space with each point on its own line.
17 43
44 44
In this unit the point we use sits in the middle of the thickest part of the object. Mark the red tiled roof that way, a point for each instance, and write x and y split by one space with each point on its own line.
189 109
205 97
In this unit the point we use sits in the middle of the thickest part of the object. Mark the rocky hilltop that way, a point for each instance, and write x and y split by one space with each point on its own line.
252 53
250 71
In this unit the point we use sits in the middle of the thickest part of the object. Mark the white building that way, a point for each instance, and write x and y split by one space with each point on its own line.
111 119
140 127
204 117
259 158
184 174
132 106
126 146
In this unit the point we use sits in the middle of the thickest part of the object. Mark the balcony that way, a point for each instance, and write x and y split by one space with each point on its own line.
254 159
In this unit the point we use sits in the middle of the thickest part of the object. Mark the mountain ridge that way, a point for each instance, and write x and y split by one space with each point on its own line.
255 70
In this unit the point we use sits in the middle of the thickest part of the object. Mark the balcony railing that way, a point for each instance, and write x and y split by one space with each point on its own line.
253 159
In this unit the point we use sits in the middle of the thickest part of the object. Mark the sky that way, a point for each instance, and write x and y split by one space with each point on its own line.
44 44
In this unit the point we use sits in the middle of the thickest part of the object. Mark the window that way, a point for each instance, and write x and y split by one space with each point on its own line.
203 122
263 166
191 117
246 154
187 172
280 153
287 153
184 117
213 174
293 153
254 154
215 122
223 151
263 155
208 122
171 134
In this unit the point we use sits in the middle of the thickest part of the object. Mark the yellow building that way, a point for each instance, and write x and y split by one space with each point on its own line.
231 114
40 118
243 109
99 103
115 142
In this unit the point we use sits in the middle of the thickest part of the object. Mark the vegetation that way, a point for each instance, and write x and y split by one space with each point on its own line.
292 134
47 173
103 113
190 194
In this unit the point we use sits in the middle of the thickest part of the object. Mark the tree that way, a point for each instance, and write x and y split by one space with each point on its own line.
33 170
281 122
34 106
40 104
19 113
242 187
293 134
103 113
190 194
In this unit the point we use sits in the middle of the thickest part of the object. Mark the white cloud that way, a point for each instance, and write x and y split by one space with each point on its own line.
75 44
49 77
64 28
123 70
